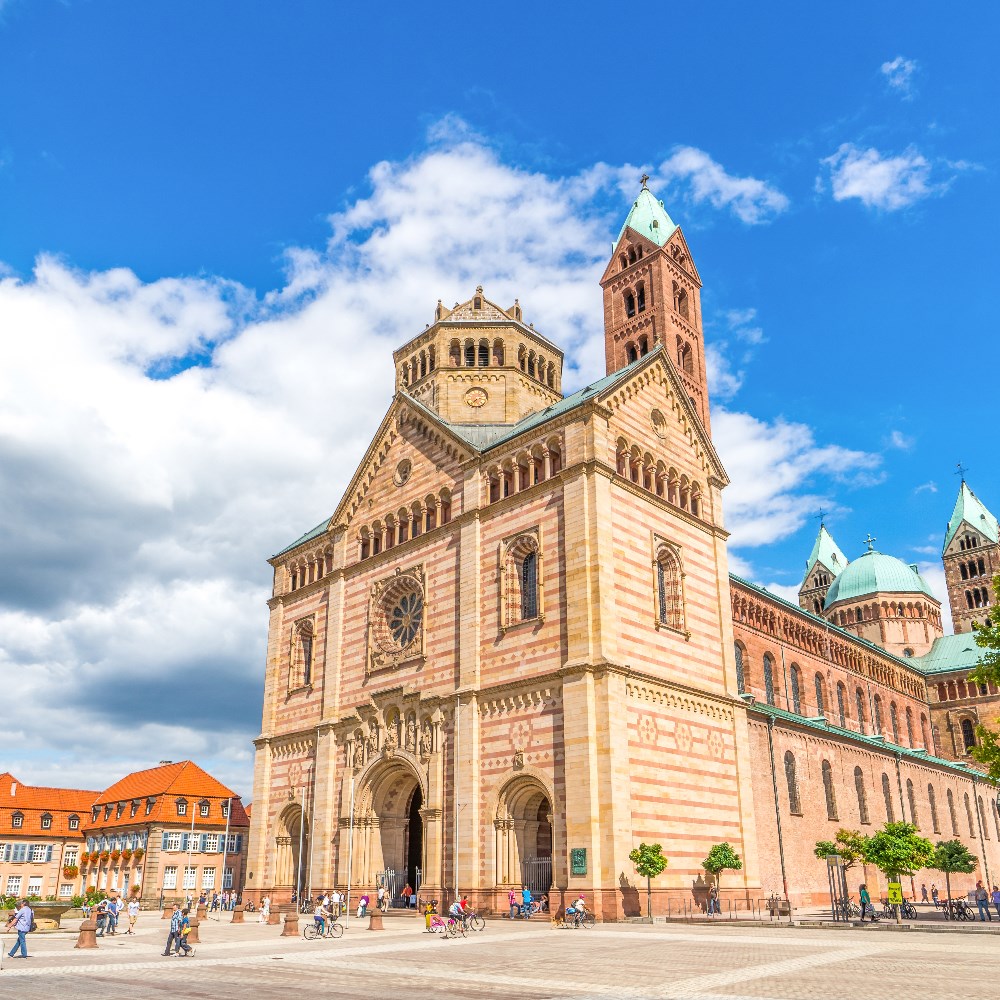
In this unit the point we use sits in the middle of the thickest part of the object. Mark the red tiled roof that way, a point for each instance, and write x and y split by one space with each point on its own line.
166 784
34 801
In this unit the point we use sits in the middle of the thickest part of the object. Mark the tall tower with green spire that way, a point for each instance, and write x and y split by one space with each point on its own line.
971 557
824 565
652 296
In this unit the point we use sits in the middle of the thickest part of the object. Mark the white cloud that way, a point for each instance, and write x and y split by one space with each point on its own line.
899 76
929 487
884 182
789 591
726 374
897 439
774 468
142 494
751 200
723 382
933 573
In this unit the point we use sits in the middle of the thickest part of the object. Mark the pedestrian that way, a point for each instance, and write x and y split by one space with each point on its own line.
983 902
173 935
866 903
382 896
407 893
22 920
183 948
102 917
363 905
429 911
265 910
934 895
713 901
113 911
995 897
525 902
133 915
923 892
512 900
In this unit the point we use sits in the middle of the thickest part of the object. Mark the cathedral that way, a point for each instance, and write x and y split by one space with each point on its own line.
515 649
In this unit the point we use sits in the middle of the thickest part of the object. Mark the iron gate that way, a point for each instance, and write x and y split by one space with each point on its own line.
536 875
394 883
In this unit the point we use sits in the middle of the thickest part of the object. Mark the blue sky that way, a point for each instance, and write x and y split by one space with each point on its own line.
206 209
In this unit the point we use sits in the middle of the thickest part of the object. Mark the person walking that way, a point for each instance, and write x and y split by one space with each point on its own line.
923 892
407 893
173 935
265 910
133 915
22 921
866 903
983 902
713 901
430 908
382 895
512 899
995 897
363 904
102 917
183 948
526 902
934 895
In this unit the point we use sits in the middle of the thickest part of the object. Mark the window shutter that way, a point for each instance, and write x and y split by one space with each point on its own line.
164 845
30 852
48 853
201 844
185 840
239 842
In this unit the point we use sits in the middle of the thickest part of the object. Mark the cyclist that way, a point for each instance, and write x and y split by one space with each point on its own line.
576 909
320 914
456 910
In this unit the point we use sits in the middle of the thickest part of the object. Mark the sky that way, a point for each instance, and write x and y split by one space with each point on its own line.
218 219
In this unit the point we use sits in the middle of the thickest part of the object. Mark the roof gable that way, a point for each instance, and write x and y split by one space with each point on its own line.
970 510
826 553
649 219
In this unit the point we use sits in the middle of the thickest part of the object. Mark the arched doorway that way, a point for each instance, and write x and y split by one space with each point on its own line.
292 850
524 836
392 829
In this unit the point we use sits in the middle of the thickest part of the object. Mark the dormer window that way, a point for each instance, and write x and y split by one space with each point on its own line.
46 821
134 808
74 822
182 807
149 805
107 811
17 820
119 810
203 807
225 809
95 813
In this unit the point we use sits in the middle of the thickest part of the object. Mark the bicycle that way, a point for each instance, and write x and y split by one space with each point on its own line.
454 927
584 919
311 931
474 922
909 910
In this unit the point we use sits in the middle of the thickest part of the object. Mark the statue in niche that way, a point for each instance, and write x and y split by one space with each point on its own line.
411 735
371 743
359 757
426 740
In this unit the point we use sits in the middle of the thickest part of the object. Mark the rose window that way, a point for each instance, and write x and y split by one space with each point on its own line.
404 618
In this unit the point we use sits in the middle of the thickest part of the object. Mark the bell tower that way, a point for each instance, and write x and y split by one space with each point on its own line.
652 295
971 557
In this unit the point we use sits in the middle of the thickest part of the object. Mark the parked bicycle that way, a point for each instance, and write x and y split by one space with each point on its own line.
312 932
909 910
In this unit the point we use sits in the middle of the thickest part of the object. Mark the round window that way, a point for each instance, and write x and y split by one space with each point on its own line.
404 618
659 422
402 472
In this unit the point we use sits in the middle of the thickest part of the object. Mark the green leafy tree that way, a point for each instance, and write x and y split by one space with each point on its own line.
649 861
897 849
952 857
722 858
849 844
987 633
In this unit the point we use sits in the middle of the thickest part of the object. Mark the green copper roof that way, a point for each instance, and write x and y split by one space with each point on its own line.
307 537
649 218
949 652
876 573
970 510
827 552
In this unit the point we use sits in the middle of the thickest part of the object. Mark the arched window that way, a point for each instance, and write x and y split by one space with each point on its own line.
842 705
878 716
912 799
470 354
859 787
831 798
951 813
640 297
631 353
669 602
968 735
859 700
740 677
796 691
484 354
932 800
629 304
890 816
894 722
909 726
820 701
768 679
968 816
794 805
529 586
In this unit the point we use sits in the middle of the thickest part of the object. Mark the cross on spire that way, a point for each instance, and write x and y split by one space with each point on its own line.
820 515
870 542
961 470
644 180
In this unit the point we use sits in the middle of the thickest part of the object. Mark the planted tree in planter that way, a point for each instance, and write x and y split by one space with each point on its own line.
649 861
897 849
722 858
952 857
849 844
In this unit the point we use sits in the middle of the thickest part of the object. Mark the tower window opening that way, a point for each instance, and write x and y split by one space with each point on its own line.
484 354
470 355
629 304
640 298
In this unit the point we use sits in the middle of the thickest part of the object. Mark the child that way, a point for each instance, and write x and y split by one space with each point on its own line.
183 948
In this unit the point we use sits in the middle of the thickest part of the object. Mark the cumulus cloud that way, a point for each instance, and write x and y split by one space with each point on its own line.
727 354
775 468
897 439
899 74
693 171
933 573
883 182
929 487
158 440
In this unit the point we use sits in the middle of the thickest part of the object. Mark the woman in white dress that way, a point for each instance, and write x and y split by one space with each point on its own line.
265 910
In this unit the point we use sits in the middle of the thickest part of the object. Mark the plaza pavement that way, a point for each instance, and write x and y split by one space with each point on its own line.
514 959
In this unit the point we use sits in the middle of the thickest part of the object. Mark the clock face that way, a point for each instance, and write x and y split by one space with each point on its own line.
476 397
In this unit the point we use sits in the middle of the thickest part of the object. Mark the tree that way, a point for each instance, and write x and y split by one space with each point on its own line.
952 856
649 861
987 750
849 844
897 849
721 858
